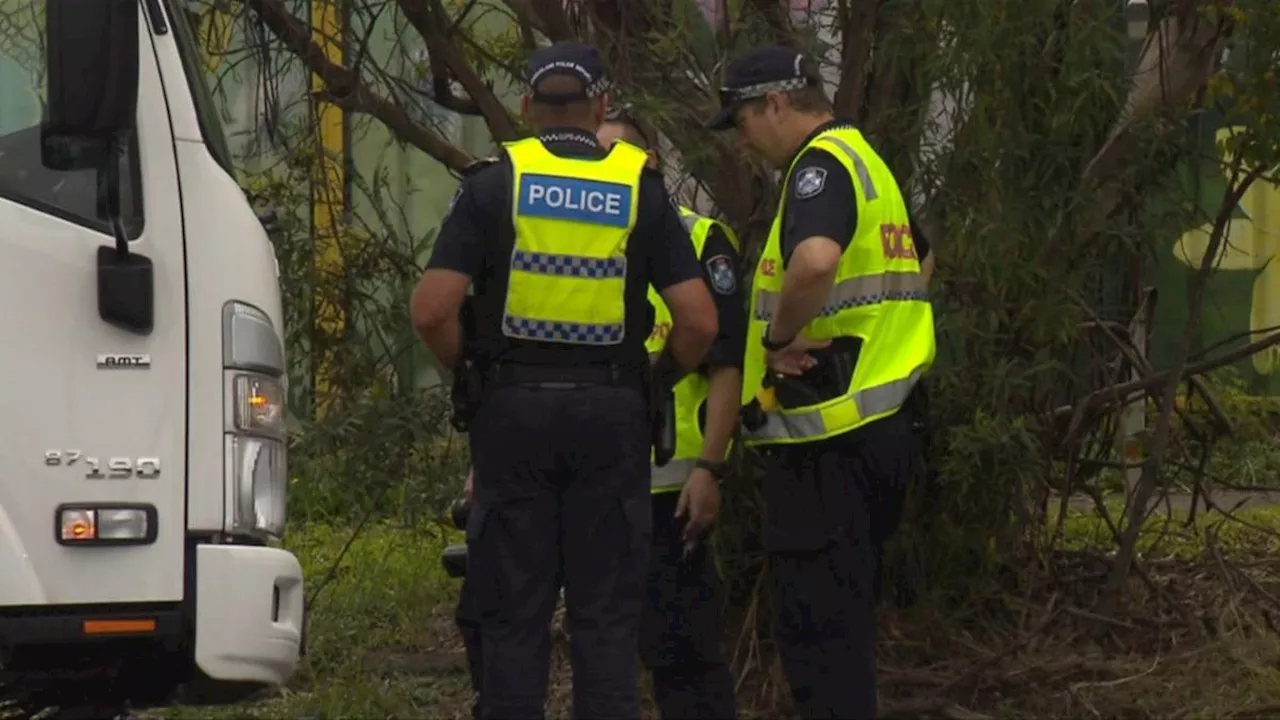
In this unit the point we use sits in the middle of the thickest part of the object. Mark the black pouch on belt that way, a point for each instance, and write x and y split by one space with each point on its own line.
826 380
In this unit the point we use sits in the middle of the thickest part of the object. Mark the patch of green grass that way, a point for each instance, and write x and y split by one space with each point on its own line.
381 642
1170 535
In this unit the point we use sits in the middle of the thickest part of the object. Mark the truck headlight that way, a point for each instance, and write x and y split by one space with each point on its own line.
258 477
259 405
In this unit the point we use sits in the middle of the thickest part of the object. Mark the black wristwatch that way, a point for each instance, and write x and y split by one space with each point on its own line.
718 470
771 345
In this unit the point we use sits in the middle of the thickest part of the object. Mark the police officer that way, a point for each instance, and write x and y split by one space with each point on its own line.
681 624
561 240
840 330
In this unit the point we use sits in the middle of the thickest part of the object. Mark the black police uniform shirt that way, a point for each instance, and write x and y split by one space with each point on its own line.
720 266
478 235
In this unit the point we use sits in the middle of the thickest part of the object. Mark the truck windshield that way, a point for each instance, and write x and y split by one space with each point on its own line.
24 179
206 111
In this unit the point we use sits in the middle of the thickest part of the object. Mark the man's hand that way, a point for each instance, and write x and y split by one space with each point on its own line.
470 487
699 503
794 359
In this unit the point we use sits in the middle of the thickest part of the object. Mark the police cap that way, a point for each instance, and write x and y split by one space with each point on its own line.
759 71
567 58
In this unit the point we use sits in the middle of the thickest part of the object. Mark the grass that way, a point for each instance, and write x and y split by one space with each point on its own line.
1175 535
382 643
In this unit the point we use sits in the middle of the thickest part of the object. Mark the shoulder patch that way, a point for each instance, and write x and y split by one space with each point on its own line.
810 181
720 272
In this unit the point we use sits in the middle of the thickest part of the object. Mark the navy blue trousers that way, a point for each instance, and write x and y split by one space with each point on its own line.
561 495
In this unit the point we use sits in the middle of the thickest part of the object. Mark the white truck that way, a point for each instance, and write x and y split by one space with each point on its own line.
144 469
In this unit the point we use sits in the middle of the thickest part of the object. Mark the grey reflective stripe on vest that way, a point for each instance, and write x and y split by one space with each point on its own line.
855 292
870 402
864 175
673 474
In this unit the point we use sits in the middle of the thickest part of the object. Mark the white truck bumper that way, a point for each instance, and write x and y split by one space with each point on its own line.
249 613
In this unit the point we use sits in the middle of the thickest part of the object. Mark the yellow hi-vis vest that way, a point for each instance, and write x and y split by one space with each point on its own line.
572 220
879 296
691 392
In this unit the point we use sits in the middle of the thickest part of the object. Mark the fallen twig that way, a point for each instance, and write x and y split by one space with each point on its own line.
1118 681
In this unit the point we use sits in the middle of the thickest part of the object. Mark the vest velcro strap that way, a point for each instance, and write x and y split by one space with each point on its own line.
860 291
814 424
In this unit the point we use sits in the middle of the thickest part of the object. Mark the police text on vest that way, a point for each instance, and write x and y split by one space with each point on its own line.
574 199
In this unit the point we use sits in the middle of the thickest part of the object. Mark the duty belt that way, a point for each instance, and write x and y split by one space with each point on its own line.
550 375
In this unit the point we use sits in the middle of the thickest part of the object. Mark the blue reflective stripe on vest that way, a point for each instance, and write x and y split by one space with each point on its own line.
587 201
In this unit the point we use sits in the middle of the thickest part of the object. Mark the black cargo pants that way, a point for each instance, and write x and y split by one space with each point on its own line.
562 490
682 622
467 618
830 506
680 626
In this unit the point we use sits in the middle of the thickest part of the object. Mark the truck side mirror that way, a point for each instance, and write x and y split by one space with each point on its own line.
91 66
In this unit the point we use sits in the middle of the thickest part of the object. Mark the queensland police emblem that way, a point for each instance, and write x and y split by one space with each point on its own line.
720 270
810 181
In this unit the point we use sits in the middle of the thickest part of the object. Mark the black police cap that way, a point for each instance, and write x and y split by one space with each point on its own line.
759 71
567 58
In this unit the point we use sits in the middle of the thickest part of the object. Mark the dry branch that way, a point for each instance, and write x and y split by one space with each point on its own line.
429 18
1155 453
344 88
1123 393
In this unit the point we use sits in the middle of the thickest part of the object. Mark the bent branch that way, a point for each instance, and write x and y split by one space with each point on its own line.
345 89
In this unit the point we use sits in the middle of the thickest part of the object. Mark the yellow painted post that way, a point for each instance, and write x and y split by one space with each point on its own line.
328 201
